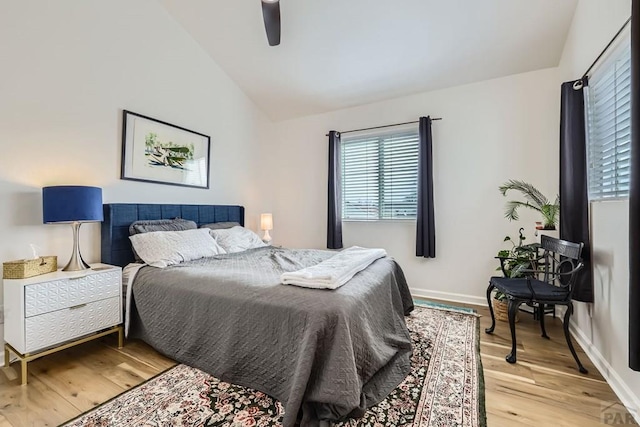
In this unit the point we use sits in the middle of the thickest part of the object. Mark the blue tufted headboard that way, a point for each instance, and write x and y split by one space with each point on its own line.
116 246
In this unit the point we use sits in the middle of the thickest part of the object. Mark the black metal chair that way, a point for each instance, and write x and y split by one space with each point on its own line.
551 282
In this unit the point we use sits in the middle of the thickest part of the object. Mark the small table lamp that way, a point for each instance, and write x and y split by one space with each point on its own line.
266 224
71 204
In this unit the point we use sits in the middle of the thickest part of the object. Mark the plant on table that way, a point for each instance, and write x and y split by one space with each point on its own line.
515 260
534 199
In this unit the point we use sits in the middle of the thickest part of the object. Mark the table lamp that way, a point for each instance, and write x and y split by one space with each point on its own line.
266 224
72 204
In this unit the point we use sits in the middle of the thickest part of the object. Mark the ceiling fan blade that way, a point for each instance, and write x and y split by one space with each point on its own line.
271 15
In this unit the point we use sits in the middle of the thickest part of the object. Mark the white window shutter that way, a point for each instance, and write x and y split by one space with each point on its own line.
380 175
609 125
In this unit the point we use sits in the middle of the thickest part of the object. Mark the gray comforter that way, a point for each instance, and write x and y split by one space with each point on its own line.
327 353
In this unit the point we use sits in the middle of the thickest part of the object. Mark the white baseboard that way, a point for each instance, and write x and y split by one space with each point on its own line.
617 384
2 334
2 342
448 296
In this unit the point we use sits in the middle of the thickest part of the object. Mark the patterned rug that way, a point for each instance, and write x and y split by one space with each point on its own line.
444 388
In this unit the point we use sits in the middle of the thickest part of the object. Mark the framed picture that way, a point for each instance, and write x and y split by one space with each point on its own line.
155 151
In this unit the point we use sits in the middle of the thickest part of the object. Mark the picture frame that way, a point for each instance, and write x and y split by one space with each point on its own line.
159 152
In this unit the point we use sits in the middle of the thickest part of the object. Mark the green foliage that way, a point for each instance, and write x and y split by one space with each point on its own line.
534 199
167 153
517 259
151 140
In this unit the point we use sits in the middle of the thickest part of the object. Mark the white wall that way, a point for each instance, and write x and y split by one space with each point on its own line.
602 327
491 131
68 69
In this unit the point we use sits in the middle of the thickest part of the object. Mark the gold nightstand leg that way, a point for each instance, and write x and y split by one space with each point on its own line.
26 358
120 337
23 369
6 356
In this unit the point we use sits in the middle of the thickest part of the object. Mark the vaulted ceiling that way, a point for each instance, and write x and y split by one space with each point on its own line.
341 53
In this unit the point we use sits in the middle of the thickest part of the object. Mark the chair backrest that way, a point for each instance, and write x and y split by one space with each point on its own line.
561 247
561 256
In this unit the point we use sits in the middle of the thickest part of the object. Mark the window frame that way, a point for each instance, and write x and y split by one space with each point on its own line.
382 136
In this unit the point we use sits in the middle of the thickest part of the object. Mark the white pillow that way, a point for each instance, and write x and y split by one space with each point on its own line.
237 239
164 248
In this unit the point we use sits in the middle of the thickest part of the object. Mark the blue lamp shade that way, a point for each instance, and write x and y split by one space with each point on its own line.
71 203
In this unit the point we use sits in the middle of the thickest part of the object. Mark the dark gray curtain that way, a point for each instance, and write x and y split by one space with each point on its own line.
426 229
334 211
634 194
574 203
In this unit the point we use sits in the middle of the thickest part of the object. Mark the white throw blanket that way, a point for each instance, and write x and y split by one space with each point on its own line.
335 271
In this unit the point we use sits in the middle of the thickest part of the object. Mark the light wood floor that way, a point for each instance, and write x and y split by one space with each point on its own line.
543 389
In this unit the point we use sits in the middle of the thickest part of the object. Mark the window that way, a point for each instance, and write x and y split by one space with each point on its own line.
609 125
380 175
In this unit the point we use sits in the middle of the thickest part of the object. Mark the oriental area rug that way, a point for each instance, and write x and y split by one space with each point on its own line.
444 388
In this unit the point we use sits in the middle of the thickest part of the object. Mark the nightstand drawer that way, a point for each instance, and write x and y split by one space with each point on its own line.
52 328
45 297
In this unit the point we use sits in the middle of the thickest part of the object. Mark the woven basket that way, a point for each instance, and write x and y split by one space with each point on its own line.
501 310
24 268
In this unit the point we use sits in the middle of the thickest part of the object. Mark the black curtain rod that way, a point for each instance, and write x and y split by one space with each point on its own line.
606 48
385 126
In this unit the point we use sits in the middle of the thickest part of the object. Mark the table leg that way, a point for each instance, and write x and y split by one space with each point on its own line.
7 360
23 369
120 337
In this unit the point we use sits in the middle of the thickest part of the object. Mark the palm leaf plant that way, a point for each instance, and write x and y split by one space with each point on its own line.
534 199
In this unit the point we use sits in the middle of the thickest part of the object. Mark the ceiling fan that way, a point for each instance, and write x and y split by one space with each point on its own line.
271 16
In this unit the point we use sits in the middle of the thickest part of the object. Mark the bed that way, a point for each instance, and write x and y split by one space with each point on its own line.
325 355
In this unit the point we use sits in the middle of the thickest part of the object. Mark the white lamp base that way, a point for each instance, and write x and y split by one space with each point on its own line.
267 237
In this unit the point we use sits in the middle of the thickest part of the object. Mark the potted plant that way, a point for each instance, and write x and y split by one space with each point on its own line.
513 262
534 199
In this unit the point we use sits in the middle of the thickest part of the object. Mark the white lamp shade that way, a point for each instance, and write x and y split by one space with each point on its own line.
266 221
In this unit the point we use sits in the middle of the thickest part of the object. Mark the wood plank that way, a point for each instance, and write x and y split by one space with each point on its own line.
4 422
565 400
125 376
581 386
523 411
10 373
34 405
499 366
103 359
76 383
143 353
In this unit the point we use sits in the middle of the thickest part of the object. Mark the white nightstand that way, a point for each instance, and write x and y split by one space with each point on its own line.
54 311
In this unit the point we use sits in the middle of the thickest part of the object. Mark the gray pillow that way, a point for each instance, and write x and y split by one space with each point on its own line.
220 225
146 226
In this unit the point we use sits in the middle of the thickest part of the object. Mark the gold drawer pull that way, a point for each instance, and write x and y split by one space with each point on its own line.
77 277
77 306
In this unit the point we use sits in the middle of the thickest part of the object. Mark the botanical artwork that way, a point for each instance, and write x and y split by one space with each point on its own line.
166 154
155 151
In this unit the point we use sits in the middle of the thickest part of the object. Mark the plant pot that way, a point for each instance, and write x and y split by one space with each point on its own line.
550 233
501 310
